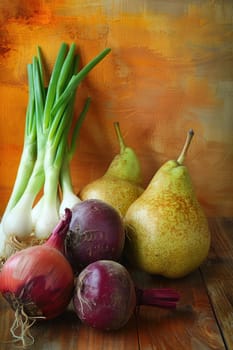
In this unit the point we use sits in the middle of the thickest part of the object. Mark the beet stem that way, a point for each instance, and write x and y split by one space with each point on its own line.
160 297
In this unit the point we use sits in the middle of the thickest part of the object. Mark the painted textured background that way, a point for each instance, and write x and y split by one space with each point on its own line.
170 69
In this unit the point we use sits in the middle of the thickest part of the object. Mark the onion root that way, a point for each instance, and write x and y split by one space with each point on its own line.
21 327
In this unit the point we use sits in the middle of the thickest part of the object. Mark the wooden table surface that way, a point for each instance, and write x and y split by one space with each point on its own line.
202 320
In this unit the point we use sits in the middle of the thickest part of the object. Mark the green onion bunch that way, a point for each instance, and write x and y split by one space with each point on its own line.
49 144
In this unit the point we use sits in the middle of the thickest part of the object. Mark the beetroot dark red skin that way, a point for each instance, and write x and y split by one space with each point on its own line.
96 232
105 295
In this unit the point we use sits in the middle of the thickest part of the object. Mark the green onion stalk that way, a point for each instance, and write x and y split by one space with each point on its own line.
69 198
58 81
26 164
44 168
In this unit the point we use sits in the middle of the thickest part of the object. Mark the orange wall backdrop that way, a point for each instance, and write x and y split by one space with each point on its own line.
170 69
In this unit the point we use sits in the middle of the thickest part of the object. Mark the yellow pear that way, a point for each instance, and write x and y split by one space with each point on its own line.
121 183
167 229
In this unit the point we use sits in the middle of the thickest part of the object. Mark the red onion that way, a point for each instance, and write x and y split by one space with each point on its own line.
96 232
105 296
38 281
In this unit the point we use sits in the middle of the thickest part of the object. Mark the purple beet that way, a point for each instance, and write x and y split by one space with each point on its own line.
96 232
105 295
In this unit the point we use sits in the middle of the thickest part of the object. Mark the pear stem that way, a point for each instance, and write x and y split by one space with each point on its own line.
183 153
119 136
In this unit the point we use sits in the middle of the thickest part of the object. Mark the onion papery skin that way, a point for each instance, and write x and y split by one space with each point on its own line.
96 232
104 295
39 278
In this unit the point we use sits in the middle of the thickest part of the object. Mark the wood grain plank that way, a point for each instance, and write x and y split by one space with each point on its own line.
191 326
57 334
217 274
220 261
67 332
124 339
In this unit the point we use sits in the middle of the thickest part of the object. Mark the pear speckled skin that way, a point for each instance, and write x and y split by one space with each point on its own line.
167 230
117 192
120 186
